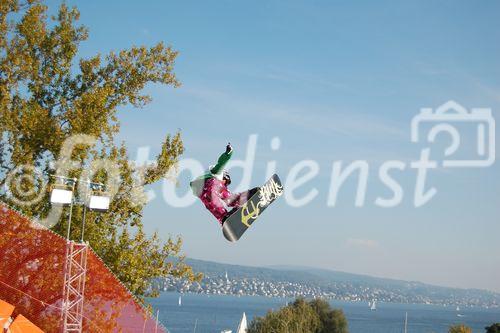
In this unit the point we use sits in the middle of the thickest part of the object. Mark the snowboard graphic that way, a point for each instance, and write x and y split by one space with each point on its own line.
239 221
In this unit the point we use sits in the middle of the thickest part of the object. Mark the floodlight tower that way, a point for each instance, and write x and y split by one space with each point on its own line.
75 267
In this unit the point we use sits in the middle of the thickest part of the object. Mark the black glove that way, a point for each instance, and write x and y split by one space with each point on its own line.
229 148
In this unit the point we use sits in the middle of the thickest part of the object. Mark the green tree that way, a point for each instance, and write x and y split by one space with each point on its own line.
460 329
495 328
48 95
301 317
332 320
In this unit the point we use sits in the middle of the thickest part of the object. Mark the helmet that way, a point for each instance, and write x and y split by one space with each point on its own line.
226 177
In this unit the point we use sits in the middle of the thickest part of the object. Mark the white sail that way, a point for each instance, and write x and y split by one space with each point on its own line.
180 300
374 305
406 322
242 328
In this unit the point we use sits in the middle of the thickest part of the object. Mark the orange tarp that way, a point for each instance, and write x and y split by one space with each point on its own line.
23 325
6 310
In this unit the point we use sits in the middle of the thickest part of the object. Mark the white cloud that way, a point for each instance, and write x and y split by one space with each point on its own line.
362 243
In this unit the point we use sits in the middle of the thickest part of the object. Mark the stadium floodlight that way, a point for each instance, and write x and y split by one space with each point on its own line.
96 200
99 201
62 191
61 196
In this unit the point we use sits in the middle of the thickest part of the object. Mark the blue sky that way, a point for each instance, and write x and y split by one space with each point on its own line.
335 81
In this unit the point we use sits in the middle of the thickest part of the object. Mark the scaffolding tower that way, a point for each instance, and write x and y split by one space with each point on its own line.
74 286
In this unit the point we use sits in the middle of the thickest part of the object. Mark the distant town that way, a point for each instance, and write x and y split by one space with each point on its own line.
265 283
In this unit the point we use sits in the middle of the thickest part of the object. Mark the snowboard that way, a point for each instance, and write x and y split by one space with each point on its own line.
240 220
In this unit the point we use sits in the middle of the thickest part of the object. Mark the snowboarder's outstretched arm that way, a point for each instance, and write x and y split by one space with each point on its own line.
215 171
222 161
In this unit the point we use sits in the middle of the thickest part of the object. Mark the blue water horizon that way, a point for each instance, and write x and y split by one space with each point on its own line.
214 313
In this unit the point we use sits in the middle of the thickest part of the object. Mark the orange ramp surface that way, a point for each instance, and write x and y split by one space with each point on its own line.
6 310
23 325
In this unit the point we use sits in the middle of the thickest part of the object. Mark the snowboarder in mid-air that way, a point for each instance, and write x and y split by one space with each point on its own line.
235 212
212 189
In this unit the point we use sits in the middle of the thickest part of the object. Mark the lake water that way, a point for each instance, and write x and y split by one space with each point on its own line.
211 314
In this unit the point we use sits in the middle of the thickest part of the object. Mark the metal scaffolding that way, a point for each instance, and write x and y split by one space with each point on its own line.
74 286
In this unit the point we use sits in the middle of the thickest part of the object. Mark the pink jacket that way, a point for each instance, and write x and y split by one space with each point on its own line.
216 196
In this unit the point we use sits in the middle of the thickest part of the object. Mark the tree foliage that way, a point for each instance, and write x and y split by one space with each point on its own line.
301 317
460 329
494 328
48 95
332 321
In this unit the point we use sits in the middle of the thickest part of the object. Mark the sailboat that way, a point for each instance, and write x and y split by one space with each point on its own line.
374 305
406 323
180 300
243 327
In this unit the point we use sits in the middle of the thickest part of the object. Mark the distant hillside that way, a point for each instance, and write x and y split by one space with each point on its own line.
352 286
